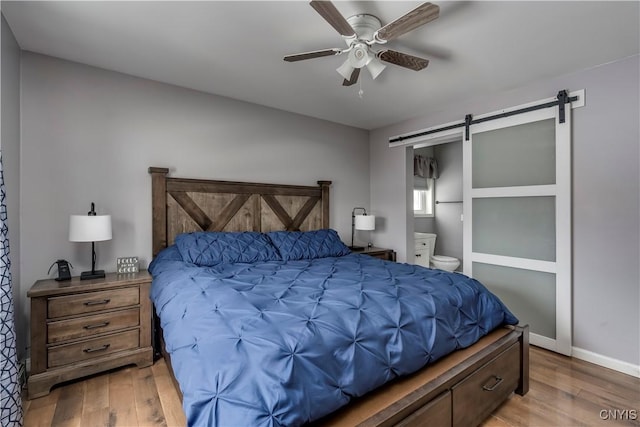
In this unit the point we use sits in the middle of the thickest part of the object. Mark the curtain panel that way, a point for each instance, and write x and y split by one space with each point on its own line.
11 402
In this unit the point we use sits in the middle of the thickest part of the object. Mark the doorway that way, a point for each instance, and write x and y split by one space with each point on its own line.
445 220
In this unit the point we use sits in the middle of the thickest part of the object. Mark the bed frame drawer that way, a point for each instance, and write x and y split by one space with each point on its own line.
83 350
92 301
436 413
478 395
86 326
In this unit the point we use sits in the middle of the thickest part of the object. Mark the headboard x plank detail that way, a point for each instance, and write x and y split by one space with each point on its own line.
184 205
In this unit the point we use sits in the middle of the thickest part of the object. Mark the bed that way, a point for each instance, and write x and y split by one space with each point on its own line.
265 318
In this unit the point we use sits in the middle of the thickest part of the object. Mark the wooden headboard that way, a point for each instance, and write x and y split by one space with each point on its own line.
182 205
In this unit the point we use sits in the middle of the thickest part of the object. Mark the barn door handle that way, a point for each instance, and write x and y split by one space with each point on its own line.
497 382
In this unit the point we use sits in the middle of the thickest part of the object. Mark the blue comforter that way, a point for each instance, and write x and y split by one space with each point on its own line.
281 343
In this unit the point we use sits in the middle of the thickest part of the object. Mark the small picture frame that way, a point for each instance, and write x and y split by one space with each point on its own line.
126 265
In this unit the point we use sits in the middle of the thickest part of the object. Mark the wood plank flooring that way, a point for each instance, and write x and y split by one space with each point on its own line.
563 392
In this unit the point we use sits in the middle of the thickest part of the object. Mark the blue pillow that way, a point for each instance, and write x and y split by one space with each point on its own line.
167 254
211 248
294 245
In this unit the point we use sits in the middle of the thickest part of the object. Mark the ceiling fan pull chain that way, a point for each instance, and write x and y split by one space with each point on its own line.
360 92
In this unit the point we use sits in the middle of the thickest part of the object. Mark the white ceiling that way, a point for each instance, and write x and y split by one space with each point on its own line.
235 48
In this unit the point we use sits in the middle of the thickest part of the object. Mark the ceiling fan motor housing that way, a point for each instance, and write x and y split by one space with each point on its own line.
364 25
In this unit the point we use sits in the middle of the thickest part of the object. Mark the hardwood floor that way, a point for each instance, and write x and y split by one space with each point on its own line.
563 392
126 397
570 392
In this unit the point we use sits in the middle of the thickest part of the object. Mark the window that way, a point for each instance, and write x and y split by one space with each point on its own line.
423 200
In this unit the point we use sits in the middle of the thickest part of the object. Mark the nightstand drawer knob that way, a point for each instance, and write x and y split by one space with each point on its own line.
101 302
93 350
418 255
97 325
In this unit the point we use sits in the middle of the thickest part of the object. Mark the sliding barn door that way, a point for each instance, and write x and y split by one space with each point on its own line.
517 211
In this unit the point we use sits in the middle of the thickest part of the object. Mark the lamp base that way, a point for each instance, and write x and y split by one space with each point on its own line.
356 248
86 275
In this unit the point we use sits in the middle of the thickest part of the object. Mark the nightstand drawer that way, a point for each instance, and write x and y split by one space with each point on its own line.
98 347
64 330
92 301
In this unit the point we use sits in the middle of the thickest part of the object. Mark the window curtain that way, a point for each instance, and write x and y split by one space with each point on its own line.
11 402
424 170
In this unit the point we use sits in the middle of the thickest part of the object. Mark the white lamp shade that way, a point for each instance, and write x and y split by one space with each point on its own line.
375 67
345 70
89 228
365 222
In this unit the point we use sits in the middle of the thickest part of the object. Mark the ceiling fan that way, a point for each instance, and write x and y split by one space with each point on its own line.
363 31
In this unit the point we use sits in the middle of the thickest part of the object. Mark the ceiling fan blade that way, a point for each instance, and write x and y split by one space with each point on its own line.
422 14
403 59
311 55
353 79
328 11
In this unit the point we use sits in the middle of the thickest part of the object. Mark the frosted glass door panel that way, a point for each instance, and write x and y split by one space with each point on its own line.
522 227
515 156
529 295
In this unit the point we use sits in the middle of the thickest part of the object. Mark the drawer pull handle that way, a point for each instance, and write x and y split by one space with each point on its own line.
101 302
98 325
93 350
498 380
418 255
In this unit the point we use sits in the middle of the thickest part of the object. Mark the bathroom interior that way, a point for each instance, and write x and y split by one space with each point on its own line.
438 234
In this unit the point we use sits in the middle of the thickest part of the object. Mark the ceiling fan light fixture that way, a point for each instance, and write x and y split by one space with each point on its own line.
359 55
362 31
375 67
345 70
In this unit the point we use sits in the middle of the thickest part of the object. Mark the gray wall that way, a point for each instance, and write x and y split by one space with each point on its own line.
606 209
89 135
10 145
448 226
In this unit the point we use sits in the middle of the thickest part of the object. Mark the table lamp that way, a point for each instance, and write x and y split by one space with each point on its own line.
361 222
90 228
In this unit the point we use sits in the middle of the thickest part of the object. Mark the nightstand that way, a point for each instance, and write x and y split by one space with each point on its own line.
386 254
80 328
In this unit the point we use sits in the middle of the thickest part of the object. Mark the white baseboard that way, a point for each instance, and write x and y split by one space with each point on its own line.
607 362
588 356
542 341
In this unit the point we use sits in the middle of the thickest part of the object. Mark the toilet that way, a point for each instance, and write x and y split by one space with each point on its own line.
425 245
